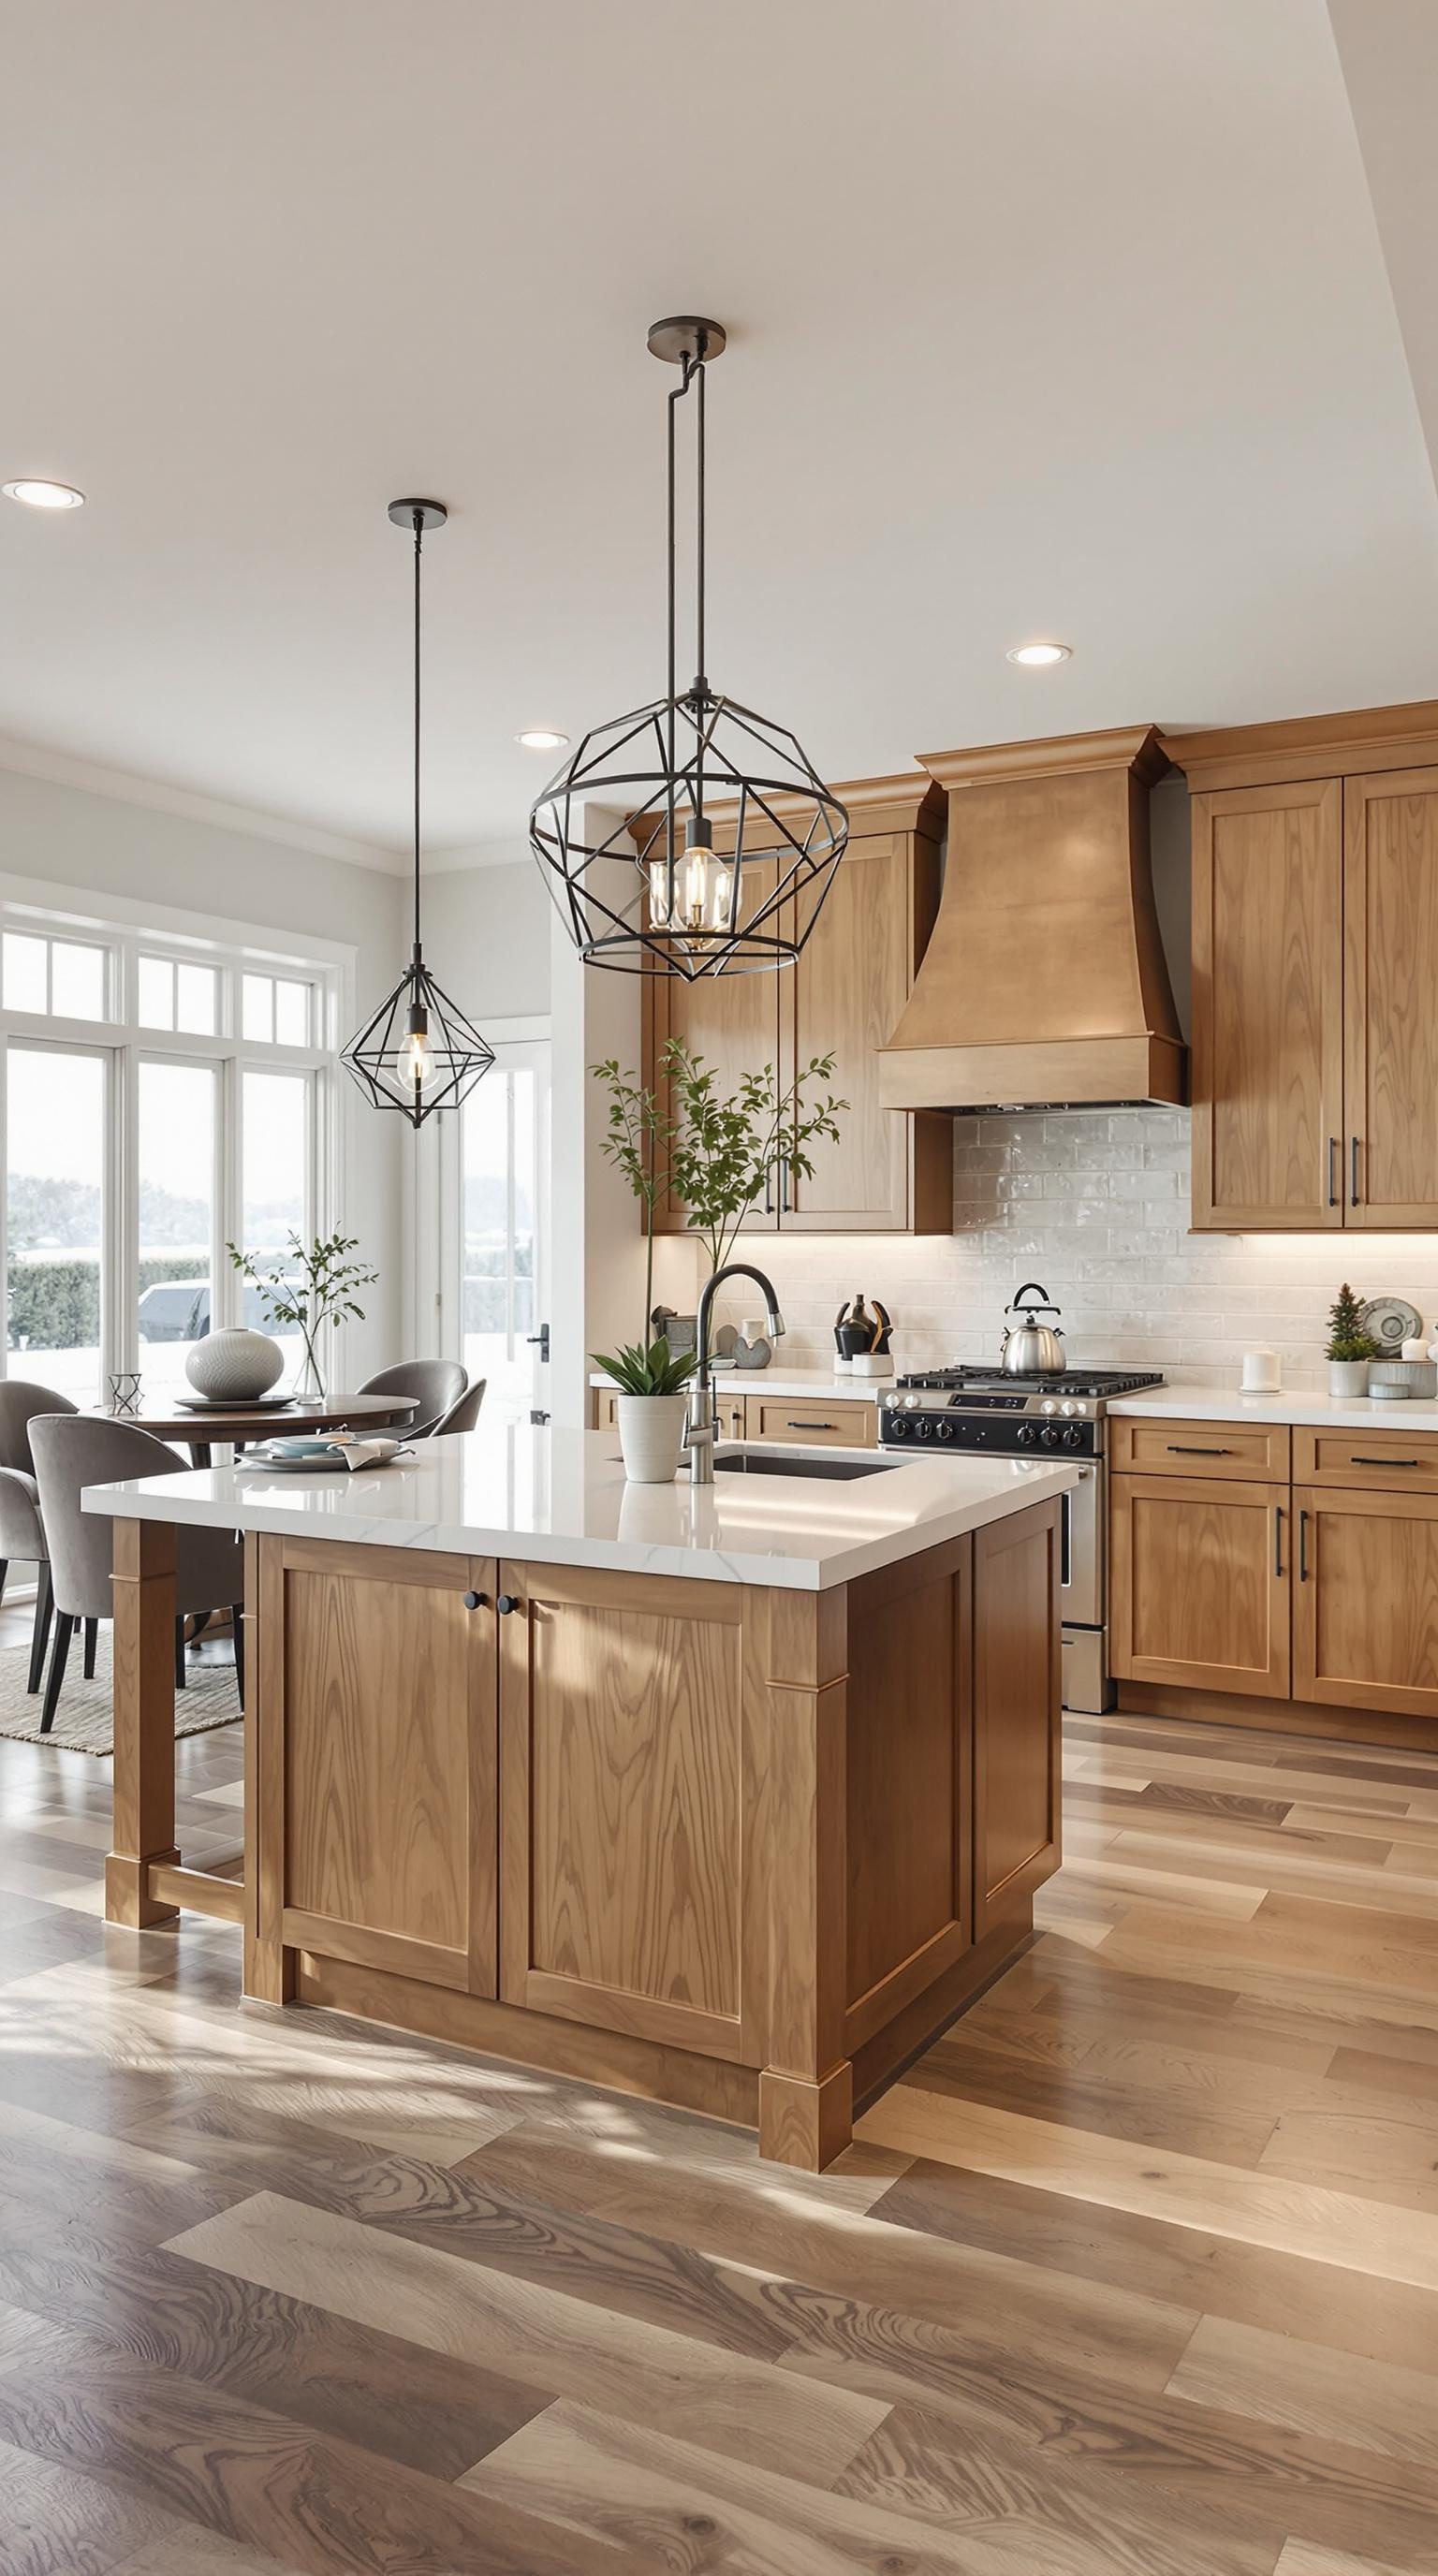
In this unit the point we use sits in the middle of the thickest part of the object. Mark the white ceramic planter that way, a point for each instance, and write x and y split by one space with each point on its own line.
235 1366
651 1435
1348 1377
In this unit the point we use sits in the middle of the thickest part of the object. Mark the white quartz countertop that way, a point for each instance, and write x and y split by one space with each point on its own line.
795 1381
1316 1411
555 1497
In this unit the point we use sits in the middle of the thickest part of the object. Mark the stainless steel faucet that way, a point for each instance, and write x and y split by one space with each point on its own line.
699 1429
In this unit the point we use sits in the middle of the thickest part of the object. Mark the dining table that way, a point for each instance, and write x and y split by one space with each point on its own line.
199 1428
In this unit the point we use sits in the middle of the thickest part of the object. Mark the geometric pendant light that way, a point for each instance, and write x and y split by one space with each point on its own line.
641 791
418 1053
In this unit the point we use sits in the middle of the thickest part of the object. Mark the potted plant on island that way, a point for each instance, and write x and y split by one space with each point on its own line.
1349 1348
716 1153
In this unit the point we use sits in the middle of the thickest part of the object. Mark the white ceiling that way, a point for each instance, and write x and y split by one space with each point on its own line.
1045 320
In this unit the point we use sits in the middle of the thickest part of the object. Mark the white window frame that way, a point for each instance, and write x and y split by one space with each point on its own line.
436 1204
126 928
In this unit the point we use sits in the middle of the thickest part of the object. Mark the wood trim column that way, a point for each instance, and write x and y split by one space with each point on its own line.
269 1966
806 2087
144 1780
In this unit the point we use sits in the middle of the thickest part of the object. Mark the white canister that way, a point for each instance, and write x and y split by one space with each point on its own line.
1261 1372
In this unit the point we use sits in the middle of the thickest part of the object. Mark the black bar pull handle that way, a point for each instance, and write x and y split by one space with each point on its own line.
1278 1538
1356 1461
1303 1547
1195 1449
1333 1171
1353 1171
811 1426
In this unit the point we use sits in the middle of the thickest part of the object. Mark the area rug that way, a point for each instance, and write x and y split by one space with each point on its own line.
85 1718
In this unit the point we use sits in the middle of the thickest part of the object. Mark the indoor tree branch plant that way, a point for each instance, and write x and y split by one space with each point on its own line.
1349 1348
716 1152
308 1286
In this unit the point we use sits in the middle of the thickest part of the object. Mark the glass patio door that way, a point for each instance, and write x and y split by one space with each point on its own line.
503 1233
57 1216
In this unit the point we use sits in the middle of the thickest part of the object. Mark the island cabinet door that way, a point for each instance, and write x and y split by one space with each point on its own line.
1017 1714
628 1785
1365 1605
376 1809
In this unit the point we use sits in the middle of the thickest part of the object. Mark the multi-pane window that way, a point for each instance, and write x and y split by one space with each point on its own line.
275 1009
64 978
196 1111
173 993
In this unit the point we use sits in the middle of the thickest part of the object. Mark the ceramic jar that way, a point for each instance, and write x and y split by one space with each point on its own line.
234 1367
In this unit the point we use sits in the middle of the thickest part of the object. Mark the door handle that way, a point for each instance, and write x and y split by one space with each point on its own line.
507 1601
475 1600
1333 1171
786 1203
768 1189
542 1337
1278 1538
1353 1171
833 1426
1303 1547
1192 1449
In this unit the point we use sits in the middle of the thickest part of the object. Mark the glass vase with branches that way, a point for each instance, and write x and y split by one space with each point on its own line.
306 1287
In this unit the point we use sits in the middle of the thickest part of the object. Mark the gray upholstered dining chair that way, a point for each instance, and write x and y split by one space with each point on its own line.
22 1531
464 1413
75 1450
436 1385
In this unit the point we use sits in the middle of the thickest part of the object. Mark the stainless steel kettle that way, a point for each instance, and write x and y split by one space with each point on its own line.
1031 1349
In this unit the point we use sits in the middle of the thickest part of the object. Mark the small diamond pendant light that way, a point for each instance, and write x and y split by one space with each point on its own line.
694 910
419 1052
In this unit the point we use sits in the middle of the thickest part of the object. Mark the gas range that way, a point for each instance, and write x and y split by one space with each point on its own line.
1030 1419
970 1407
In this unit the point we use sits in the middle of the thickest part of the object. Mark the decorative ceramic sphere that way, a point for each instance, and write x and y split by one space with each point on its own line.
234 1366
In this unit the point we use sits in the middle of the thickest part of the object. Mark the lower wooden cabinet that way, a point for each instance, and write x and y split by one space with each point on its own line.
1365 1606
815 1421
1200 1573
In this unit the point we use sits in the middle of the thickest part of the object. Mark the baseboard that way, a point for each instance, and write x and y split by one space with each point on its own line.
1365 1726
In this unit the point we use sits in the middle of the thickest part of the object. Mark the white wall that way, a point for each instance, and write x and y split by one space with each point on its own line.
486 933
71 836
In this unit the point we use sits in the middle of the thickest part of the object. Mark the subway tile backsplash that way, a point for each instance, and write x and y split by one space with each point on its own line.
1094 1204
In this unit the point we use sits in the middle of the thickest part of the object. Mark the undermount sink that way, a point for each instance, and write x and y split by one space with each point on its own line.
767 1462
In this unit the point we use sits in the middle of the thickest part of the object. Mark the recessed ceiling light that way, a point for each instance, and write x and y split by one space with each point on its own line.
1035 656
44 496
541 738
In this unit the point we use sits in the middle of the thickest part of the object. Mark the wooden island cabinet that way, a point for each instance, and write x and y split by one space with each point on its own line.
741 1838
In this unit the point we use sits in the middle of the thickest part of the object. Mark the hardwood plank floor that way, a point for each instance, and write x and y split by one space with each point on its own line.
1134 2274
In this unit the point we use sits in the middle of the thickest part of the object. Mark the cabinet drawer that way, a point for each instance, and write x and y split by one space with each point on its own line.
1385 1461
728 1411
817 1421
1254 1451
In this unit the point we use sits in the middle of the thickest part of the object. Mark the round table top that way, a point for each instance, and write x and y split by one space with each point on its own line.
199 1426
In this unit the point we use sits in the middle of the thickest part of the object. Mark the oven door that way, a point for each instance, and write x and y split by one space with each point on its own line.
1081 1550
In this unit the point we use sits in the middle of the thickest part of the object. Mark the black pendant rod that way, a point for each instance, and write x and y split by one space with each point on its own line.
692 369
418 545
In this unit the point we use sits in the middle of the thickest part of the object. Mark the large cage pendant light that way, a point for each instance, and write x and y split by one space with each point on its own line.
418 1053
644 792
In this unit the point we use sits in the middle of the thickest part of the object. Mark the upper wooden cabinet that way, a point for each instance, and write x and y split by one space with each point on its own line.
889 1172
1315 958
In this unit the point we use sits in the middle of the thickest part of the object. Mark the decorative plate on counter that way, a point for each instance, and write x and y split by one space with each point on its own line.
1392 1322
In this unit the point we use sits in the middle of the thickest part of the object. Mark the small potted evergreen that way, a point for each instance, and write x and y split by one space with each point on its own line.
1349 1348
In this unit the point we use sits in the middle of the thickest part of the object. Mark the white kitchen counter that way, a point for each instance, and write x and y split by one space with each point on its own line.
1317 1412
555 1497
779 1381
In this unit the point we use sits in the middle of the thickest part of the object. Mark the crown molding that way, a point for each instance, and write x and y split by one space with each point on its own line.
1139 748
62 769
1299 747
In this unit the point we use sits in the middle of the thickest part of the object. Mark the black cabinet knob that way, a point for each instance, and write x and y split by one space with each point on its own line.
507 1601
475 1600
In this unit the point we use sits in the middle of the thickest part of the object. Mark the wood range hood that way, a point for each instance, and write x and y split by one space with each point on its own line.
1044 984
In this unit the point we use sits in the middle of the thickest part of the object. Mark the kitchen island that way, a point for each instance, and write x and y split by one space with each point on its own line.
730 1795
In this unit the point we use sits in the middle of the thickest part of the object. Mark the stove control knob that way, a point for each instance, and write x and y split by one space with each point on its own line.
1026 1435
1073 1437
896 1427
944 1429
923 1427
1049 1435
